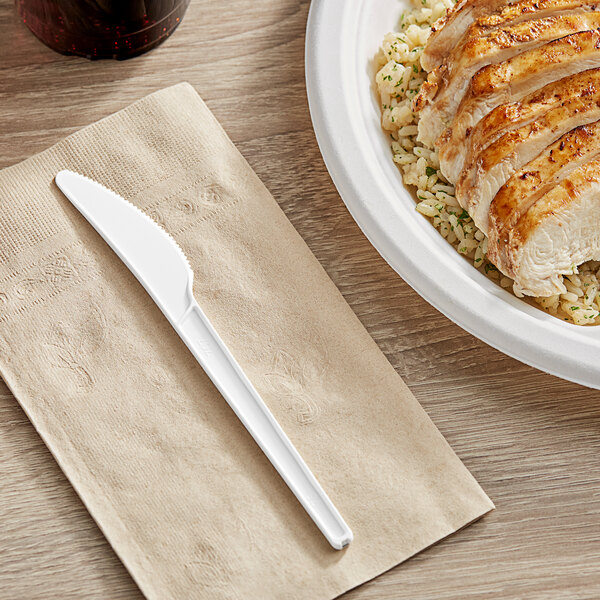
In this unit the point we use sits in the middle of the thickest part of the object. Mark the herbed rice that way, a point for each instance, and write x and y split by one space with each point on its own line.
398 80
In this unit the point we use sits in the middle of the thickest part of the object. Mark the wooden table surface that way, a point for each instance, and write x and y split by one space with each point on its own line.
532 440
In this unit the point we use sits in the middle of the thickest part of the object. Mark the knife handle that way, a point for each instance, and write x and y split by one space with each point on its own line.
219 364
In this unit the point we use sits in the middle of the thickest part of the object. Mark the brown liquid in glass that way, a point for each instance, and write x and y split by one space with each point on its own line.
102 28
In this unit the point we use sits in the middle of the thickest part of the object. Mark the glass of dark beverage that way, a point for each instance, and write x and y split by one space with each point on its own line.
102 28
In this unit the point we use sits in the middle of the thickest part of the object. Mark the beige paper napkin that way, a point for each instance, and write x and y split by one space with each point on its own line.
179 488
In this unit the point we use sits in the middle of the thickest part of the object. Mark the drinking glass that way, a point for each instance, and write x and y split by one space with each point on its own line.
102 28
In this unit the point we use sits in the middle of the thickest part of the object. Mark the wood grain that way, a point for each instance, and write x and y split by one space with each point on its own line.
532 440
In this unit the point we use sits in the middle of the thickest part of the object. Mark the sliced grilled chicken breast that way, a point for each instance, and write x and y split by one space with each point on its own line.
510 81
449 84
448 31
557 233
531 107
514 134
534 180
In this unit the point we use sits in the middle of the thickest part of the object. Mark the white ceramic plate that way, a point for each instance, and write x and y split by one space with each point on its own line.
342 39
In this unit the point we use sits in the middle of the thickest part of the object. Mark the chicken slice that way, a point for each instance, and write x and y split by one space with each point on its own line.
514 134
510 81
559 232
525 10
448 31
442 93
536 179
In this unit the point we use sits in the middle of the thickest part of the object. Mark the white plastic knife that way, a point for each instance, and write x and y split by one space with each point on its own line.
160 265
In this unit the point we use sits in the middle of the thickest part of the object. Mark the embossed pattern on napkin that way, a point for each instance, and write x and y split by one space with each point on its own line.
180 490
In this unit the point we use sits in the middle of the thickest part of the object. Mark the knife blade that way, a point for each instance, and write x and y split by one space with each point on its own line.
161 266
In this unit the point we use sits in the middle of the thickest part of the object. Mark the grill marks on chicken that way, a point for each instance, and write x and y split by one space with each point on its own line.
511 81
510 221
514 111
557 233
441 95
449 31
539 177
513 134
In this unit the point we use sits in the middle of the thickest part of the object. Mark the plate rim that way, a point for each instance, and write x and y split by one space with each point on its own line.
524 334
